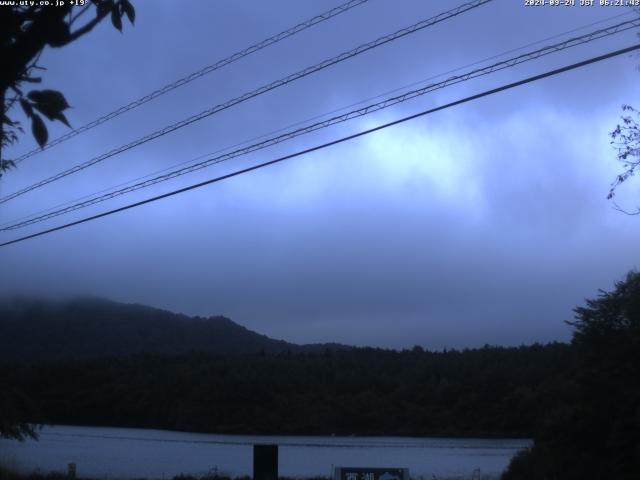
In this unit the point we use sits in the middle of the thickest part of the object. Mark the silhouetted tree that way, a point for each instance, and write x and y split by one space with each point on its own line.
25 30
597 433
626 139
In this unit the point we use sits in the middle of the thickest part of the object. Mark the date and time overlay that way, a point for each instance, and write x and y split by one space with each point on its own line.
581 3
526 3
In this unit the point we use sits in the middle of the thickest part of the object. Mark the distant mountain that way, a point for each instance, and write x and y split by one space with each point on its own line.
39 330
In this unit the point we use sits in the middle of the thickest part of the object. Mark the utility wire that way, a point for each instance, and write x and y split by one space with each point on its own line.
509 63
200 73
265 88
317 117
333 142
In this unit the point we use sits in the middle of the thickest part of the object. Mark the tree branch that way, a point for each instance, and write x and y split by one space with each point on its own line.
79 14
86 28
626 212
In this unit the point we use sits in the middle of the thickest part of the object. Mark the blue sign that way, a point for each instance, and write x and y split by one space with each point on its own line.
364 473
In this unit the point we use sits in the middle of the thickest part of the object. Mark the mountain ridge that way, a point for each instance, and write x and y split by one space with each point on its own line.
35 329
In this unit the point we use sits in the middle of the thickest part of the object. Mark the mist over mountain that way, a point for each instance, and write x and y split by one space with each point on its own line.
36 330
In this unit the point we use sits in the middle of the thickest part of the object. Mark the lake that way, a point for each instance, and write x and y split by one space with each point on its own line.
125 453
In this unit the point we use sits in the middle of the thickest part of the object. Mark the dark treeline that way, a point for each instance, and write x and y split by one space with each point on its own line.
491 391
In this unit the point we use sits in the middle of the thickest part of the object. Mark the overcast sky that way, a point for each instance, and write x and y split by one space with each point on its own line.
483 223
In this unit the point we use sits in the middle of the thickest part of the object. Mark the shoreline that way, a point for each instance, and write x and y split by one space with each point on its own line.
483 437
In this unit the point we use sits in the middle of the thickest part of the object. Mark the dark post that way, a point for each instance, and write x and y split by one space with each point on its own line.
265 462
71 471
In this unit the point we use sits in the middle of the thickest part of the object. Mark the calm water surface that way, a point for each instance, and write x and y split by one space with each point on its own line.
125 453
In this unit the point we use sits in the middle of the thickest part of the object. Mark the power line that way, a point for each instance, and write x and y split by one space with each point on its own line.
315 117
332 121
200 73
569 43
331 143
265 88
322 115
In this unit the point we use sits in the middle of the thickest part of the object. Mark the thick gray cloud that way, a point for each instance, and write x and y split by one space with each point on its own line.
486 223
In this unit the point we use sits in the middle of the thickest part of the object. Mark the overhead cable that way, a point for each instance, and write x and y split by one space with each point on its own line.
329 144
319 116
254 93
509 63
195 75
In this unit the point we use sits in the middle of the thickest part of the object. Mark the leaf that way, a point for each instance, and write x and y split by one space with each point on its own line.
50 103
6 165
51 114
63 119
128 9
51 97
26 106
7 121
14 124
39 130
58 34
116 19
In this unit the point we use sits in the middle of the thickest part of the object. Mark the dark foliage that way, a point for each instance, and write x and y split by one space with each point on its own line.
626 139
26 29
15 408
596 434
491 391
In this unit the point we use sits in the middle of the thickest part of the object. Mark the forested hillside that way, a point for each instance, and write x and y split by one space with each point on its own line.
37 330
490 391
